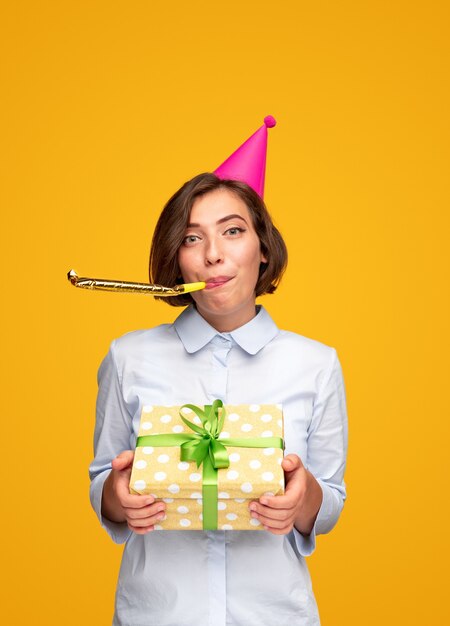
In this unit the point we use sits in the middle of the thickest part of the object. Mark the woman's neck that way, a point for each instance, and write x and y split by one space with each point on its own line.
231 321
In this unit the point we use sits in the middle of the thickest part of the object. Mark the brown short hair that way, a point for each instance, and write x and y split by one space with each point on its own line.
171 228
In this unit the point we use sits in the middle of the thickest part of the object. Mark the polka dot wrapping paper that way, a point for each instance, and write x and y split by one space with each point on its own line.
252 472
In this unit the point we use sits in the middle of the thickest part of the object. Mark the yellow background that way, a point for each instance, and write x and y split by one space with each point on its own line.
107 108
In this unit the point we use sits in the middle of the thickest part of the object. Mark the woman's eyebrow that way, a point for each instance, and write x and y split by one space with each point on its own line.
222 219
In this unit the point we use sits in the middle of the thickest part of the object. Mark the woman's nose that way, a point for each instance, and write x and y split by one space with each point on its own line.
213 253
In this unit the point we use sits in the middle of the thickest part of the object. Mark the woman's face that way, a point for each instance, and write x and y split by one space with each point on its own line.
221 247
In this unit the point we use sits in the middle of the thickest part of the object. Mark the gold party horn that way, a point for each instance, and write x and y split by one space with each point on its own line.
121 285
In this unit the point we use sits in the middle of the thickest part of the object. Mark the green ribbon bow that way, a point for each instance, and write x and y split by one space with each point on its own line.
203 447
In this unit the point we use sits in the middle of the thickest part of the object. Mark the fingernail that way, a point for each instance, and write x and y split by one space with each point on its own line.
253 507
264 501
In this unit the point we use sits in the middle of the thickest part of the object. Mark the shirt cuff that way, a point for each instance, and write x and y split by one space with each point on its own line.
118 531
306 544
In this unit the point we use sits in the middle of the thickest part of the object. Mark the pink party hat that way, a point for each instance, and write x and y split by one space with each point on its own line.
248 163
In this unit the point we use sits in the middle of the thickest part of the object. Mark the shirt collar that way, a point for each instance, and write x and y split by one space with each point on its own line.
195 332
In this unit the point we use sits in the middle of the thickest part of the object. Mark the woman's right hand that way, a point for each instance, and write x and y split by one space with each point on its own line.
140 512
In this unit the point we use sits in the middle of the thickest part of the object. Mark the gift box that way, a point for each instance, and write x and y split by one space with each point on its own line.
207 463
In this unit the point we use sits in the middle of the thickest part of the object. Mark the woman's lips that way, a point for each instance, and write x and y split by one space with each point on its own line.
217 281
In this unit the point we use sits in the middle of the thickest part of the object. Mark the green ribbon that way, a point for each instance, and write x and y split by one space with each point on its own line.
203 447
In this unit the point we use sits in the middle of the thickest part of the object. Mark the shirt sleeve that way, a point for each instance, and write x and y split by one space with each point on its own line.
327 452
113 428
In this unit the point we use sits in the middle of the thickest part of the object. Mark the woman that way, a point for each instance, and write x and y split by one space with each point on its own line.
222 346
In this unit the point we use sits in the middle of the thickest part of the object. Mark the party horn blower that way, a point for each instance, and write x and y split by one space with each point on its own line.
129 287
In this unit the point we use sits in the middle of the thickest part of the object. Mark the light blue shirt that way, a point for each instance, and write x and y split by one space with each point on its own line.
222 578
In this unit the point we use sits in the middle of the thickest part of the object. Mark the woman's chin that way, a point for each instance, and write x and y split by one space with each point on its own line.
224 306
218 306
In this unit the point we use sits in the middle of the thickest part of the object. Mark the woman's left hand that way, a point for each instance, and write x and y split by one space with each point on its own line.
297 507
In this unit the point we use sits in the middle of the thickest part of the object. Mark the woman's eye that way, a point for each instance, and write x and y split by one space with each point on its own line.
234 230
189 239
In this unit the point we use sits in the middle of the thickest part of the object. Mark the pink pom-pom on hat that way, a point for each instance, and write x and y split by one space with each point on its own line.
270 121
248 162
